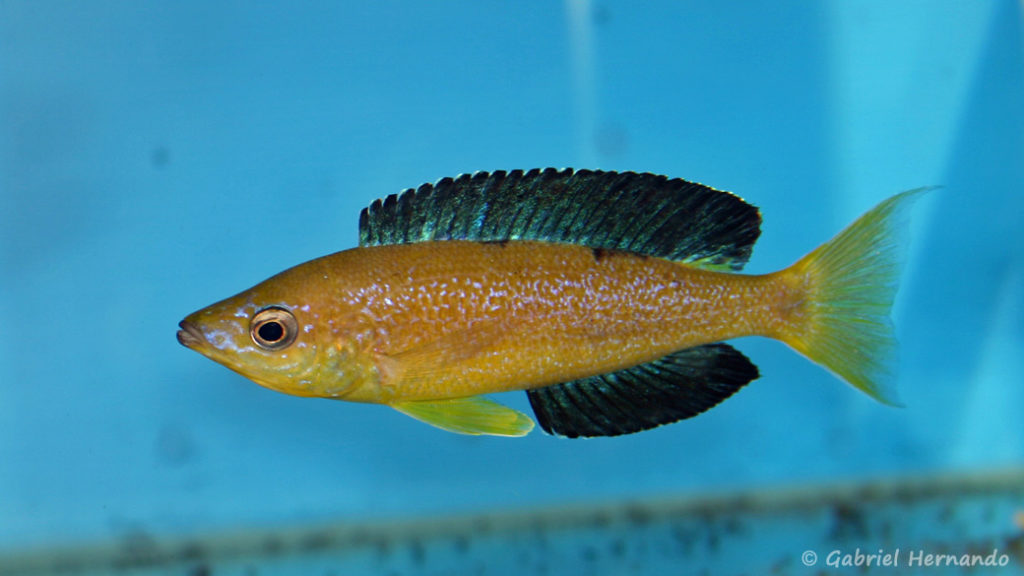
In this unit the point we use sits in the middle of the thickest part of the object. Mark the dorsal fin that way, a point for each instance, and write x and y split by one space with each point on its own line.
671 388
643 213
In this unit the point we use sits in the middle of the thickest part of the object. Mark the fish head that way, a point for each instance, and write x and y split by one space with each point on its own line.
261 335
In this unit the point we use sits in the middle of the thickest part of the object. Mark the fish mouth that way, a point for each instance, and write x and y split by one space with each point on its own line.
190 336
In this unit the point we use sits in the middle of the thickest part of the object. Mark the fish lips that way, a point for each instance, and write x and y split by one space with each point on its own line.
190 336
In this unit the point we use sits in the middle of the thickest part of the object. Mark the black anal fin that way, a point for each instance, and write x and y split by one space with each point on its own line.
677 386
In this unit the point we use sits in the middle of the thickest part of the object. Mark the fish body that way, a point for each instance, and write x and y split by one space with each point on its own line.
607 304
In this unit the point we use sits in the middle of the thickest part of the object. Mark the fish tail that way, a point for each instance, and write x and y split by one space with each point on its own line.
848 286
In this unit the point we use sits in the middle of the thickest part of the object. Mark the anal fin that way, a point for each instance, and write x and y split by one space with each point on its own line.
474 415
674 387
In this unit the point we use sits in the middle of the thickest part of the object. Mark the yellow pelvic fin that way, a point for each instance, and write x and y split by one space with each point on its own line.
474 415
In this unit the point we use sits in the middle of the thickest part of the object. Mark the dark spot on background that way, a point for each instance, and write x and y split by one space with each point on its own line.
849 523
638 515
588 554
175 446
273 546
136 546
316 542
382 548
714 542
160 157
418 552
192 551
1015 547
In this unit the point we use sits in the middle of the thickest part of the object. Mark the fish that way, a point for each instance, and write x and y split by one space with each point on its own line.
608 297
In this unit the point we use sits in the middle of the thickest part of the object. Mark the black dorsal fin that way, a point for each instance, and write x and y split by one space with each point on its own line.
677 386
643 213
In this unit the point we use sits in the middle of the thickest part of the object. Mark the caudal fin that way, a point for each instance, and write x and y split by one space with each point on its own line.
851 282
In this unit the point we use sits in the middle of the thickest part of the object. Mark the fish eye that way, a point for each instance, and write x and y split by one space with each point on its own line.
273 328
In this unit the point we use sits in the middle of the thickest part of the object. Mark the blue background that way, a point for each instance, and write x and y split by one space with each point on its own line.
156 157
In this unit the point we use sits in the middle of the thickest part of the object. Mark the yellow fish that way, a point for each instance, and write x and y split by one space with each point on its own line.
605 296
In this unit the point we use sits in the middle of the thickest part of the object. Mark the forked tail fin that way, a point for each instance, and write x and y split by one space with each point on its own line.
851 282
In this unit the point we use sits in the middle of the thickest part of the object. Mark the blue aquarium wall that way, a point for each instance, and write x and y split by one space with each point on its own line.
157 157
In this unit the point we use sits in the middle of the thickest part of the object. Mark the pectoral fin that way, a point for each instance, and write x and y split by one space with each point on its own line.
474 415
